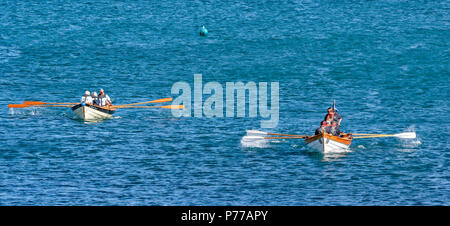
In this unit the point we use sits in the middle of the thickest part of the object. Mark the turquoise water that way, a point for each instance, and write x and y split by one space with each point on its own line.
386 63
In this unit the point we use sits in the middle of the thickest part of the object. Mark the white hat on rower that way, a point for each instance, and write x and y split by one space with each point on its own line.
87 93
94 94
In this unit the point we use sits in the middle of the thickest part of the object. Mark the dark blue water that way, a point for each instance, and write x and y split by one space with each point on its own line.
386 63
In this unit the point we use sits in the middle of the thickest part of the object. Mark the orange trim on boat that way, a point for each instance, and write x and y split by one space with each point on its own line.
344 140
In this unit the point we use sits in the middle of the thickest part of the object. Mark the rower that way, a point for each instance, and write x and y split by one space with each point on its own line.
323 126
86 98
333 116
95 100
104 98
334 129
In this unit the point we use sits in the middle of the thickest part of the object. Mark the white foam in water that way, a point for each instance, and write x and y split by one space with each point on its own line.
254 142
411 143
28 111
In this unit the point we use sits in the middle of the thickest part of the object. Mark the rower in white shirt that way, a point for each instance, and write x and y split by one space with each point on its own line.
104 99
86 98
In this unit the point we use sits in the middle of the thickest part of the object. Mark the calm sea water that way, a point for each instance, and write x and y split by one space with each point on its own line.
386 63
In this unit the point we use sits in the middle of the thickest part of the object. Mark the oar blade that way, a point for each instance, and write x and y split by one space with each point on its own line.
18 105
406 135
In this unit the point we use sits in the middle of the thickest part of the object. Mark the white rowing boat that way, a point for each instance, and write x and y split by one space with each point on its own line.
326 143
90 112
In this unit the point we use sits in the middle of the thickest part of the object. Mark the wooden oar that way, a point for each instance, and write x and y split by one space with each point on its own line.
148 102
289 137
368 134
167 106
269 138
26 105
42 103
18 106
406 135
261 133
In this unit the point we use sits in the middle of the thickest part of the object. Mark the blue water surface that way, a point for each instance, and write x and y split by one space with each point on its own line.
386 63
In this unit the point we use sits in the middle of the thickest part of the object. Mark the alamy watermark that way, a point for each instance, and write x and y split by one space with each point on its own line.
213 106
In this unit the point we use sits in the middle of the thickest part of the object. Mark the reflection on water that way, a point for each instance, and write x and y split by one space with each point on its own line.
90 121
336 156
327 157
